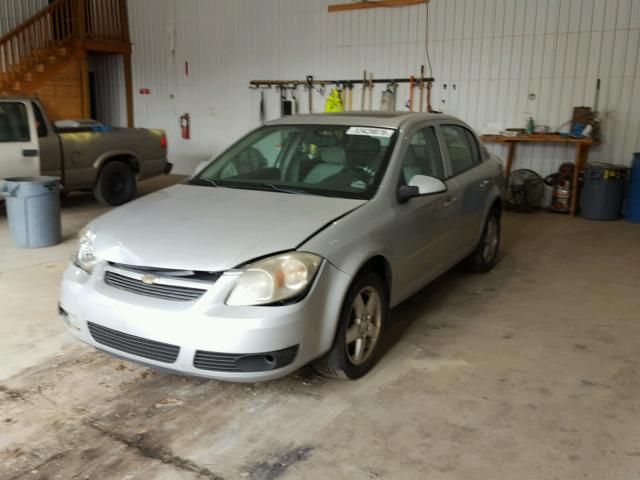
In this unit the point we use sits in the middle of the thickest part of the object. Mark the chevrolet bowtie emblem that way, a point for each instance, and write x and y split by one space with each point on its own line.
148 279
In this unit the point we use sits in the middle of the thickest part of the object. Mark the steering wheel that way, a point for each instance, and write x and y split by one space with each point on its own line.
361 170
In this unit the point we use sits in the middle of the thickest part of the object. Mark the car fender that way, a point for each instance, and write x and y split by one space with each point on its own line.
349 248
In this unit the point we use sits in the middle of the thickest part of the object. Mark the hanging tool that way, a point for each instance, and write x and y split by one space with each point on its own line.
429 85
286 106
388 98
294 98
310 91
343 92
350 96
412 84
370 89
364 89
263 109
421 84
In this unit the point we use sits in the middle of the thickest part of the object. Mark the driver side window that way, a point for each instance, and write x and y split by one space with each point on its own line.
423 156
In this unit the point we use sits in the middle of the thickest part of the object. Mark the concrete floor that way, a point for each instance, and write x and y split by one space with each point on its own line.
529 372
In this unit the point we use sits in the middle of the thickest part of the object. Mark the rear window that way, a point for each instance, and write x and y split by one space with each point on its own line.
14 123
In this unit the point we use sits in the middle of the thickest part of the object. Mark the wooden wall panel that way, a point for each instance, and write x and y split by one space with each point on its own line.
62 96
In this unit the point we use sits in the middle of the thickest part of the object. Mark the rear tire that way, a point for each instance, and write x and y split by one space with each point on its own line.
484 256
116 184
361 324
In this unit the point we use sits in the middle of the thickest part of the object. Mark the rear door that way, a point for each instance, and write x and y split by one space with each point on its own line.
472 178
19 155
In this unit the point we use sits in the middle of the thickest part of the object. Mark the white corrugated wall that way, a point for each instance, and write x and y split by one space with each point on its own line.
495 52
111 106
14 12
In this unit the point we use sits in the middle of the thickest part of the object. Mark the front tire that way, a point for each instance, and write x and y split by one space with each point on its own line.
484 256
362 321
116 184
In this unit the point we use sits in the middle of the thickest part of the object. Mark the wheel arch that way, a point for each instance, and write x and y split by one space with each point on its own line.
125 156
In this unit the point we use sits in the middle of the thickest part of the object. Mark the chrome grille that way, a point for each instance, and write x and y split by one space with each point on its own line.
156 290
142 347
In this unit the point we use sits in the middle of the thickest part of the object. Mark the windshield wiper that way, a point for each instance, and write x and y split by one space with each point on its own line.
203 181
283 189
267 187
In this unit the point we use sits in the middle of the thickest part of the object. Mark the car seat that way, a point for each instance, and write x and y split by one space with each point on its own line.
333 160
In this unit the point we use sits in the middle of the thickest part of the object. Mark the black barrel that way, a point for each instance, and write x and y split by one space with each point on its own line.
603 191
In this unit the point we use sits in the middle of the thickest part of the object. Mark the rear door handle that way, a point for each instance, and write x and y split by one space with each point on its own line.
30 152
484 183
449 201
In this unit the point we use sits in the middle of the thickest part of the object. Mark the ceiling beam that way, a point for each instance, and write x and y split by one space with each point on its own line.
364 4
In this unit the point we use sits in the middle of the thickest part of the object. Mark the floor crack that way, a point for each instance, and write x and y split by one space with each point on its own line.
42 464
155 453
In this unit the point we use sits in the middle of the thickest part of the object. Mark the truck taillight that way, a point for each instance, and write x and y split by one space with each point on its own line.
163 142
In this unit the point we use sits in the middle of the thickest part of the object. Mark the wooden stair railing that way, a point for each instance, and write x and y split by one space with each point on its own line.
52 27
54 34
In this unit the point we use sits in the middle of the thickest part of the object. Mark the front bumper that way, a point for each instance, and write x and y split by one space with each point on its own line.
211 338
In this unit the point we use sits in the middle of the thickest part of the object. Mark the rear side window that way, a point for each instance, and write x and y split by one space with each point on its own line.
462 147
14 123
41 126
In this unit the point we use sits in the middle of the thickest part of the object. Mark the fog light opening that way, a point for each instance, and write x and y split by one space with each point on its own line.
269 359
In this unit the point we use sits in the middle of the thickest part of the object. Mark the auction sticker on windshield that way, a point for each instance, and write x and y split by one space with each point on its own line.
370 131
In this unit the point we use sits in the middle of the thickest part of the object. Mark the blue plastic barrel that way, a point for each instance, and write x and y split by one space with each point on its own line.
633 189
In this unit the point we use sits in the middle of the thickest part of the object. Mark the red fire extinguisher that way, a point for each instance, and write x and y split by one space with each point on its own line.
185 126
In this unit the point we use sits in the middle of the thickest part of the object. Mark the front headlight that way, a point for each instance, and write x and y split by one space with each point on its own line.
275 279
84 257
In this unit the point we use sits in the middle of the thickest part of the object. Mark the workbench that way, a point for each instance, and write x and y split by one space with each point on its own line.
582 149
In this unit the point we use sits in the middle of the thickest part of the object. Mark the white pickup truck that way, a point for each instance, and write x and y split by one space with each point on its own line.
85 154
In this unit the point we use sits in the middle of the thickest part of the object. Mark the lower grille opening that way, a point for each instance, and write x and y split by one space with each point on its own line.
244 362
142 347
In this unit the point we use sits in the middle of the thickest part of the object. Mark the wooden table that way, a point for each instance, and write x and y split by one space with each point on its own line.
582 149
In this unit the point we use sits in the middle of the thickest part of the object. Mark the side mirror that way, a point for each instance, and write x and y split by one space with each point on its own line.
201 166
419 186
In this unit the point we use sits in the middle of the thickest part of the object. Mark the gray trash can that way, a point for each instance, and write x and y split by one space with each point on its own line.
603 190
33 210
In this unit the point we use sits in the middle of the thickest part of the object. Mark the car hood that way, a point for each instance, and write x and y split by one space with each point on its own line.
211 228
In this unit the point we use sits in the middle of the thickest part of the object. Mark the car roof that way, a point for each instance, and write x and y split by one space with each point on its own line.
365 119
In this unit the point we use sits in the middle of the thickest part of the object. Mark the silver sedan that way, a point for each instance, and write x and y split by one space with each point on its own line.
288 248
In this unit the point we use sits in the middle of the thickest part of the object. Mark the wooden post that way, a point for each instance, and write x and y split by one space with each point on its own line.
511 153
80 19
581 159
128 81
84 80
124 21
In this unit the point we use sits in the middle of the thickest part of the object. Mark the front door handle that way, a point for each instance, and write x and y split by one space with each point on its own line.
484 183
449 201
30 152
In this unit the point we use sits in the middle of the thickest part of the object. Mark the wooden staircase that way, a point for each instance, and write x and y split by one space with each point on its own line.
35 52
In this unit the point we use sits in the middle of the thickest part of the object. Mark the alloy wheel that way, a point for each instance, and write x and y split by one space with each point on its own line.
490 240
365 322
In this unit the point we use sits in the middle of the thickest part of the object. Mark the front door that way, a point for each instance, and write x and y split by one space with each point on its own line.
19 154
424 225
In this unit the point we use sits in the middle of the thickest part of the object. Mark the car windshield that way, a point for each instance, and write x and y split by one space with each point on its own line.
332 160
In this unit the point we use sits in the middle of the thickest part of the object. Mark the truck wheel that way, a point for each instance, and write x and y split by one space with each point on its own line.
484 256
116 184
362 320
